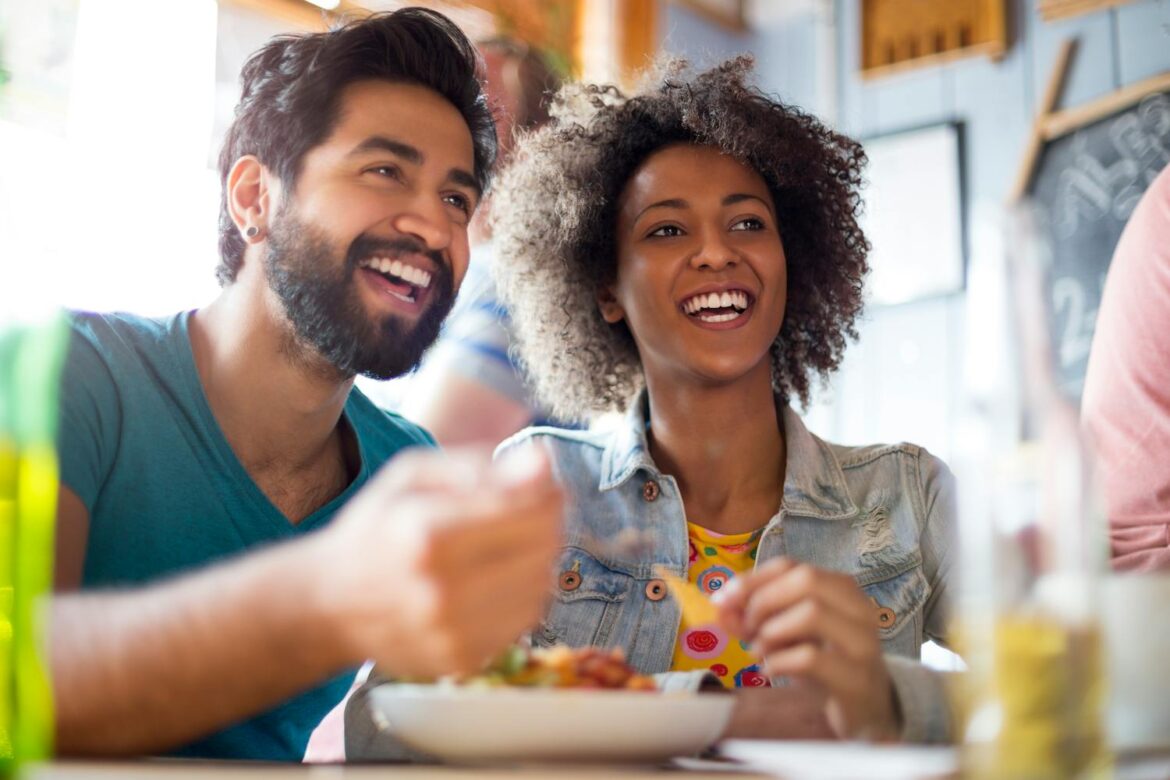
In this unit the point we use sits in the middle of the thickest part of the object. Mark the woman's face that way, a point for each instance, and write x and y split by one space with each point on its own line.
701 277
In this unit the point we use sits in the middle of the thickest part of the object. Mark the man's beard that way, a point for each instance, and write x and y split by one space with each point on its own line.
321 300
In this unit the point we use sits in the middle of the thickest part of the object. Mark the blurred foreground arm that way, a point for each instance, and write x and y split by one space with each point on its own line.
434 567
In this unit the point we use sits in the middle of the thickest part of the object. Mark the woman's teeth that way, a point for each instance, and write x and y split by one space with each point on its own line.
717 307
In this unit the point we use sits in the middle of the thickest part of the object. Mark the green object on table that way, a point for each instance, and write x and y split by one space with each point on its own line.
31 355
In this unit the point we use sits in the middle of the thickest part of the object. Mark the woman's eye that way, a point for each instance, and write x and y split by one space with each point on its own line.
666 231
461 202
750 223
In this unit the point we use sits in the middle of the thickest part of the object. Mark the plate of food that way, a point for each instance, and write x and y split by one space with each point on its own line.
556 704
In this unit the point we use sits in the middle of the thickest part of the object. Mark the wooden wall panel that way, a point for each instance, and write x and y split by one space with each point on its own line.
899 34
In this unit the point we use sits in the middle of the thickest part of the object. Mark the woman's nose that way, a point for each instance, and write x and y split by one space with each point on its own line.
715 253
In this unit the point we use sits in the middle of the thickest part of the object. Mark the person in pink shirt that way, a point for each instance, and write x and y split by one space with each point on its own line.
1126 404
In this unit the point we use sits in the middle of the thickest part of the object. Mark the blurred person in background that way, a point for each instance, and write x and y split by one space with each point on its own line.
468 388
1126 403
238 526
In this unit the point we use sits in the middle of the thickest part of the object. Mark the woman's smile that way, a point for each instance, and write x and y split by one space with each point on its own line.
719 307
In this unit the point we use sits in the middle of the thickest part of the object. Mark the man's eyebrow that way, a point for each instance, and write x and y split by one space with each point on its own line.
380 143
670 203
465 179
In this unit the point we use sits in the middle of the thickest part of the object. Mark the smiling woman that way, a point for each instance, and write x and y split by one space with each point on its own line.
804 176
690 256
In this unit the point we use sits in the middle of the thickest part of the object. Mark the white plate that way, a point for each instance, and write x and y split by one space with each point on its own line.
546 724
843 760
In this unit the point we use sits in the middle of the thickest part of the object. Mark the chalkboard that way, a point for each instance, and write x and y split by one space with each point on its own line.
1086 185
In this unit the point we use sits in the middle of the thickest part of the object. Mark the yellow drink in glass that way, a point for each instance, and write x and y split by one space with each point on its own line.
1049 680
30 364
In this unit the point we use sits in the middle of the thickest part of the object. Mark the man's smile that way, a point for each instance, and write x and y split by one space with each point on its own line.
400 279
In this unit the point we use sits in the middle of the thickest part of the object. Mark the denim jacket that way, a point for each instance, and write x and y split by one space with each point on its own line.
884 514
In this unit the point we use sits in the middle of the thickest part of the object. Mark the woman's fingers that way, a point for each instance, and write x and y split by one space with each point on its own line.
772 589
818 626
816 621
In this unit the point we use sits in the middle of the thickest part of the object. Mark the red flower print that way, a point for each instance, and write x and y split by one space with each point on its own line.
702 641
719 669
694 552
752 677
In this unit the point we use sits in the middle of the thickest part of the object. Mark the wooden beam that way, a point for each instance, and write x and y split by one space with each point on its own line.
636 31
1064 122
1047 106
992 49
1051 10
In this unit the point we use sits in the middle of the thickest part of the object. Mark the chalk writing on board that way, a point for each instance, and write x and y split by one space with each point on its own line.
1089 183
1092 189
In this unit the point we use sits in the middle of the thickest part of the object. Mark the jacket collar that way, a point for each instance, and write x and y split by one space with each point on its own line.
814 484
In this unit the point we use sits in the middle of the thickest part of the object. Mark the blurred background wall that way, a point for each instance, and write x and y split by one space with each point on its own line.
110 112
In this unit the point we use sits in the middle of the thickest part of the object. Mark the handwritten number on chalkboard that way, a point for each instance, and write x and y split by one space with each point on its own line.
1070 306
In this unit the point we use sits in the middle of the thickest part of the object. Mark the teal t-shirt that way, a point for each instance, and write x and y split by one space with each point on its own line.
139 445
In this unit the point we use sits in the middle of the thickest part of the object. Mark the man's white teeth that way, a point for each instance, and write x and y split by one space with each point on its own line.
407 273
724 300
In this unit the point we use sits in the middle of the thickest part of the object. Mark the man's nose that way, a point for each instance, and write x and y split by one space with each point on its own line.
425 219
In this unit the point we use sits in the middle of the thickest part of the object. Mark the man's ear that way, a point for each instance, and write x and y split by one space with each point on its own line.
611 311
250 197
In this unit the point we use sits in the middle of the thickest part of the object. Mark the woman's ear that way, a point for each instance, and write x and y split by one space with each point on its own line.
611 311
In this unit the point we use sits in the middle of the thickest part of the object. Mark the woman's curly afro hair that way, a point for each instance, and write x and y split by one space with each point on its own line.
556 214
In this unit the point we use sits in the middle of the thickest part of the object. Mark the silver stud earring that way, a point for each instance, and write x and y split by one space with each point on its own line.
252 231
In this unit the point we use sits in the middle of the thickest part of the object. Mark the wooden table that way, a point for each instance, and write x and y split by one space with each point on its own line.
206 770
1154 766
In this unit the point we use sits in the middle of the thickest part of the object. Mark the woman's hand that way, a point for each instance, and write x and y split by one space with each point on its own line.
816 625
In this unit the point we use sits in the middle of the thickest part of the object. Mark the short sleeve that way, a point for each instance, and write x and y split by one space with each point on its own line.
90 417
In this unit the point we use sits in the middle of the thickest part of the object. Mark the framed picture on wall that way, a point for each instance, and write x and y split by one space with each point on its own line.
914 214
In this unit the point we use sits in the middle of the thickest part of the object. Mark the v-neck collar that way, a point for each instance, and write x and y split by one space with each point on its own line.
267 519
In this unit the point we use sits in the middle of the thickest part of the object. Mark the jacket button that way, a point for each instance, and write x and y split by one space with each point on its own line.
650 490
656 590
885 617
570 580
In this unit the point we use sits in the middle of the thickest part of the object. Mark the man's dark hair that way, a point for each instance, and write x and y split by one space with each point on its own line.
292 90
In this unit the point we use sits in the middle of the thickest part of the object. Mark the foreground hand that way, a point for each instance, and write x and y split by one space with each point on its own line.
442 561
817 626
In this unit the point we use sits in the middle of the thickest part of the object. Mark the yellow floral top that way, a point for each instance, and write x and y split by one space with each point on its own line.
715 559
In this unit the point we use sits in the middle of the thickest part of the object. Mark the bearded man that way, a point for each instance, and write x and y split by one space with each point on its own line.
229 543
